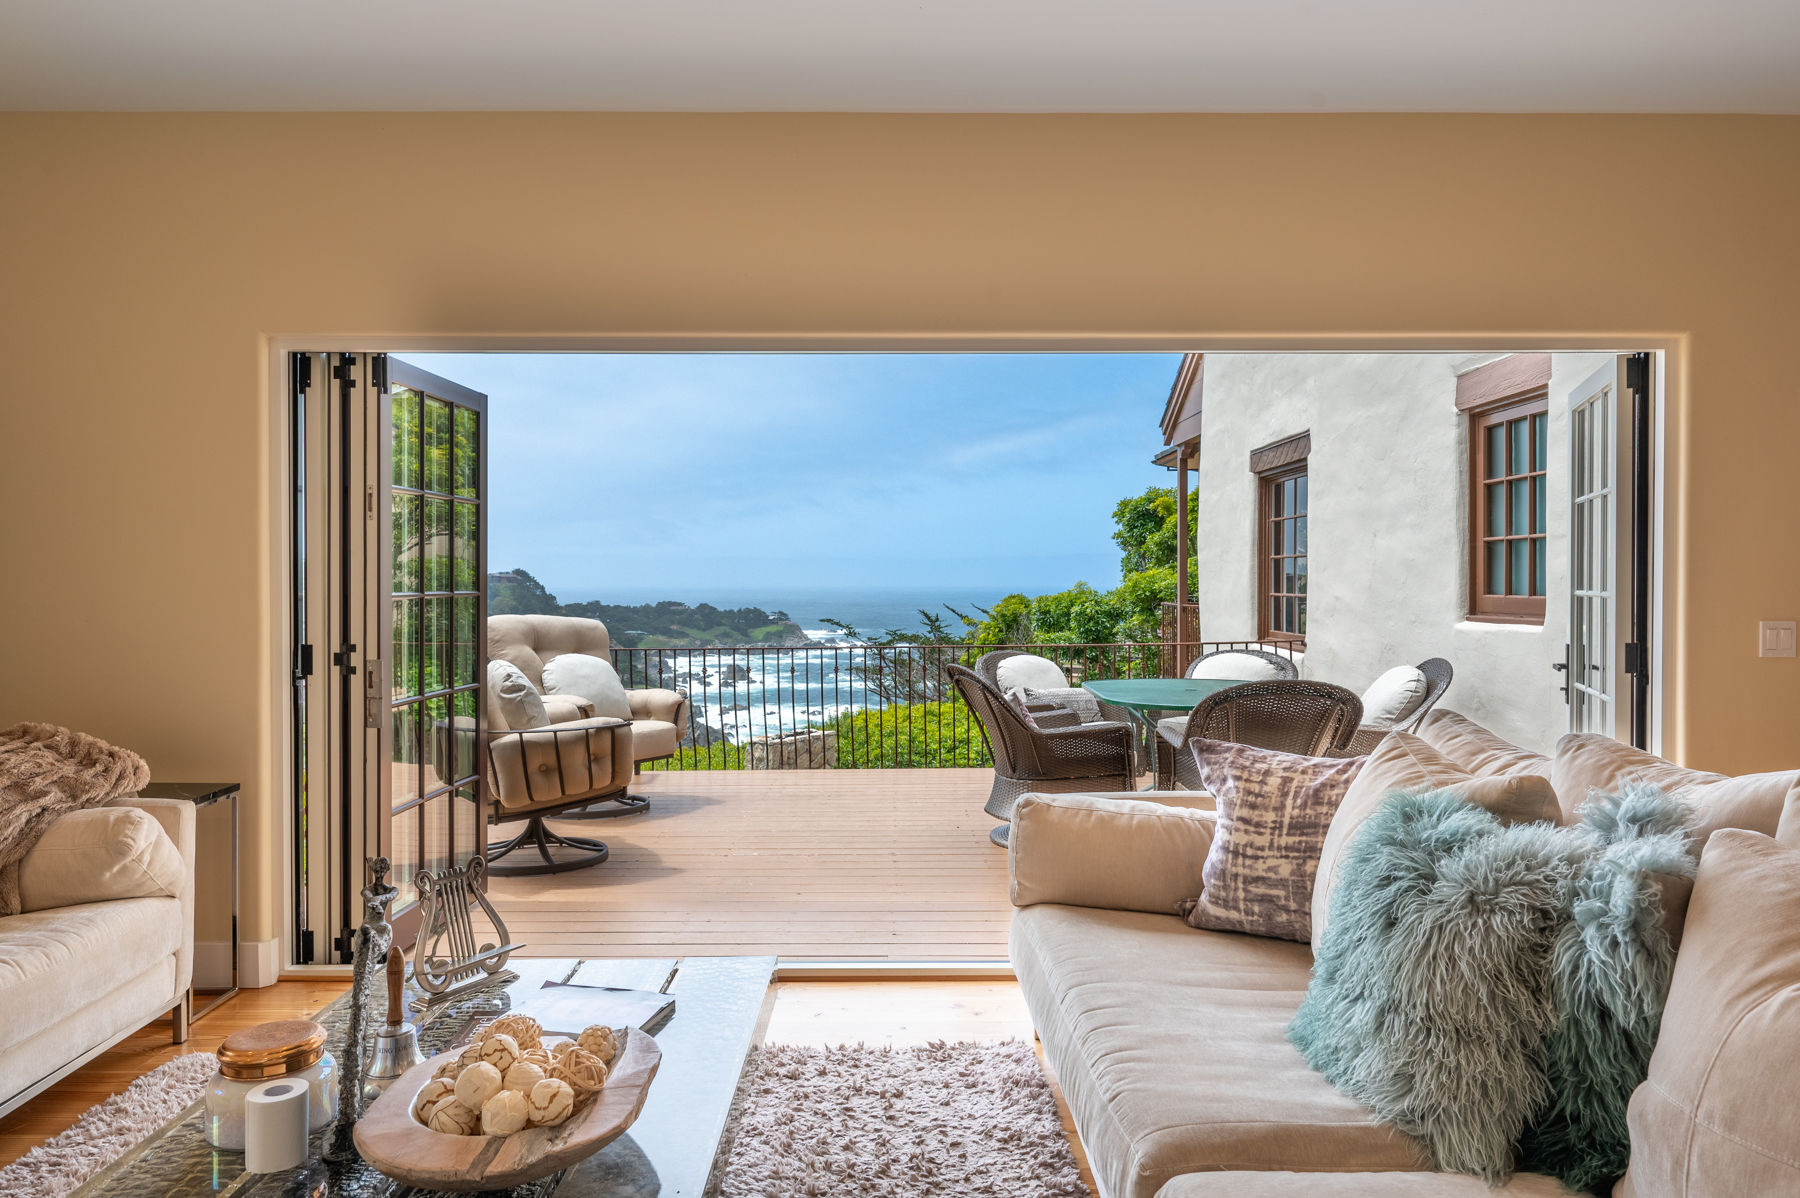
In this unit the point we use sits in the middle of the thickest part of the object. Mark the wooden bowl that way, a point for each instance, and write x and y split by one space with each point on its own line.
398 1145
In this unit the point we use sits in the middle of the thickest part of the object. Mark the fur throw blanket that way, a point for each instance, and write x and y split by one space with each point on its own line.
45 773
1496 991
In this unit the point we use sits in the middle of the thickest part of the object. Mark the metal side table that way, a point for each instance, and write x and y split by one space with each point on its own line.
205 794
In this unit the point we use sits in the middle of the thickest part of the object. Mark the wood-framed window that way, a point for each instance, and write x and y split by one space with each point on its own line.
1282 553
1509 448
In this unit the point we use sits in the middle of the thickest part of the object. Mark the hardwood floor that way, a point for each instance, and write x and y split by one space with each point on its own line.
816 1013
806 864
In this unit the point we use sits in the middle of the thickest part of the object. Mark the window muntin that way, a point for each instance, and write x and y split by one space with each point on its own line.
1283 558
1509 549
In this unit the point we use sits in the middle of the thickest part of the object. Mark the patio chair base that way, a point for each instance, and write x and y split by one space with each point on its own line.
537 835
1001 835
613 808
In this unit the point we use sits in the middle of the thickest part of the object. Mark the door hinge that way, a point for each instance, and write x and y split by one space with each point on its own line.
378 368
369 501
345 373
302 372
303 663
1634 659
1637 373
341 659
306 946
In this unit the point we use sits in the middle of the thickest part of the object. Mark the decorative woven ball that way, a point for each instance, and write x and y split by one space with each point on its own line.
584 1071
501 1051
522 1076
526 1032
453 1118
433 1092
476 1084
598 1040
562 1048
449 1064
550 1102
503 1114
538 1056
470 1055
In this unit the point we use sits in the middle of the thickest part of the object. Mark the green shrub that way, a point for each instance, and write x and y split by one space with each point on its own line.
915 734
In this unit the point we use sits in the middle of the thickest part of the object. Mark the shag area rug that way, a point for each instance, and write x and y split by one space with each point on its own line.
110 1129
859 1122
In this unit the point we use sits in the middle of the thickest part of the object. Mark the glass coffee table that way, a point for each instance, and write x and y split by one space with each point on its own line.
676 1149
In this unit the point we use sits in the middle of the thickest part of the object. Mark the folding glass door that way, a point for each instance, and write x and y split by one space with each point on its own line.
389 559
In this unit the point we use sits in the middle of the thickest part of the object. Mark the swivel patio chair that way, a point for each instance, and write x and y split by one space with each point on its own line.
1174 769
1030 670
1311 719
1438 674
1069 758
540 773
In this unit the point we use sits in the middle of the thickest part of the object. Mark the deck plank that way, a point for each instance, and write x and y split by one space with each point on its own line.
806 864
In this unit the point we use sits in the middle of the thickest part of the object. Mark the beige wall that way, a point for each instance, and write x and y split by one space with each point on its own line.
145 259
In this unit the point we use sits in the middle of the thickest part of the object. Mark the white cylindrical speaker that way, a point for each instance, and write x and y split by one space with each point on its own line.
275 1125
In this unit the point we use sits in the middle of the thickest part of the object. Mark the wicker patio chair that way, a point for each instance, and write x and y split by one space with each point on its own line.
1438 673
1312 719
1060 760
988 666
1175 770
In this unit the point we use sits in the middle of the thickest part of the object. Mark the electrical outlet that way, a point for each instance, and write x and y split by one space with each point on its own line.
1775 638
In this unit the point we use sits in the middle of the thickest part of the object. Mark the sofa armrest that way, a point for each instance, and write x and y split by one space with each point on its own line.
655 703
1123 854
177 817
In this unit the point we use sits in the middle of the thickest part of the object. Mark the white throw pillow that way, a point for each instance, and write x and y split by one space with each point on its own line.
1243 667
1393 697
100 854
1032 673
513 699
589 678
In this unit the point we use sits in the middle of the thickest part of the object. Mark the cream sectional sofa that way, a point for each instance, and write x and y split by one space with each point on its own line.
1170 1042
105 942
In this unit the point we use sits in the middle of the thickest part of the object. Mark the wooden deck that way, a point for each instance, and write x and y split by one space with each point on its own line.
886 865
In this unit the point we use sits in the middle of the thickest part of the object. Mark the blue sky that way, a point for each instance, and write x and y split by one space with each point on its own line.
691 473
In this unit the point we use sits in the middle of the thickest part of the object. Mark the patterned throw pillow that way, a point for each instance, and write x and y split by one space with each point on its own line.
1274 811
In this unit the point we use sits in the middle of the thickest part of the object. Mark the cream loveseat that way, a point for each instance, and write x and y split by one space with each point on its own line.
105 941
1170 1042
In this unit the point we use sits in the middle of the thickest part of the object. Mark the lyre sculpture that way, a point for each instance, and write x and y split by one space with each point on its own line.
373 940
445 957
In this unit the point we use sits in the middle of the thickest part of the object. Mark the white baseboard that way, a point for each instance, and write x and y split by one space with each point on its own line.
259 964
212 964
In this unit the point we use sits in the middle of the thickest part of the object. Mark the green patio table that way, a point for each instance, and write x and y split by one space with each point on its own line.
1142 696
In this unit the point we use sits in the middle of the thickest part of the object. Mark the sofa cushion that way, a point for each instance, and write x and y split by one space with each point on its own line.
1171 1047
560 709
1393 697
1236 667
1586 761
1030 670
550 765
1406 762
1086 851
1357 1185
1715 1116
100 854
589 678
1476 749
1274 811
60 959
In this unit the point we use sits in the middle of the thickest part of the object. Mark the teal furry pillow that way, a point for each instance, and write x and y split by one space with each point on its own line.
1485 980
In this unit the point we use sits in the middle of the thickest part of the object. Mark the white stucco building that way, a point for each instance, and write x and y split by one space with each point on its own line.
1334 498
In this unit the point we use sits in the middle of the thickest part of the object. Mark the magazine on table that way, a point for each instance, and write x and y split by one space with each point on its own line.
565 1008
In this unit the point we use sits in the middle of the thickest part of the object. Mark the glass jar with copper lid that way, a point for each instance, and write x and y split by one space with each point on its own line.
287 1048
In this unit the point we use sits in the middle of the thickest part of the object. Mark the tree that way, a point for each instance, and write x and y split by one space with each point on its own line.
517 593
1146 530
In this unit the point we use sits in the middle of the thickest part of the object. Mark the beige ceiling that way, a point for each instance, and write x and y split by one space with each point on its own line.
904 55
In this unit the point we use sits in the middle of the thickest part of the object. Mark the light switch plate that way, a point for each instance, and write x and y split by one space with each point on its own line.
1775 638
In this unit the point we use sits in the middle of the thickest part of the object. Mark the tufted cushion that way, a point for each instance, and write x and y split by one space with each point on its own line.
588 677
1028 670
530 641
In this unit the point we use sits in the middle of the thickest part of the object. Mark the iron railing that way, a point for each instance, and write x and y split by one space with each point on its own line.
885 706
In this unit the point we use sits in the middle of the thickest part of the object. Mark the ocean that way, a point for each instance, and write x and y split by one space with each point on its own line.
868 609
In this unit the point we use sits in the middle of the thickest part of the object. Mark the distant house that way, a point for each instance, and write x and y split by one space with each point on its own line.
1380 509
